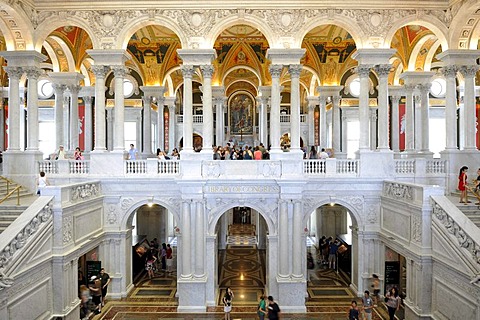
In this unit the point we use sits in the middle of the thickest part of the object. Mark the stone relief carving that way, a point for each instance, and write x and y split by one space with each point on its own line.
355 201
212 169
271 169
126 203
453 228
33 278
417 228
286 22
19 241
67 229
372 213
398 191
112 214
457 282
85 191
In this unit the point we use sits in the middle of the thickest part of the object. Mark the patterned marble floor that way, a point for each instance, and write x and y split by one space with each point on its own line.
242 268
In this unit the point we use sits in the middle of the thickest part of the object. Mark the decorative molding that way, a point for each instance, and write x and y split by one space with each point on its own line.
126 203
67 229
464 240
112 214
372 213
86 191
19 241
398 191
416 228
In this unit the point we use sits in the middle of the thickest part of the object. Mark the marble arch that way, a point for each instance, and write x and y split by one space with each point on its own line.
52 23
126 220
233 20
460 23
133 26
215 214
242 80
432 23
255 72
355 206
17 30
416 51
321 20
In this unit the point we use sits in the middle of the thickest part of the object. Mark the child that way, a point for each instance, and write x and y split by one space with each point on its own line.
41 182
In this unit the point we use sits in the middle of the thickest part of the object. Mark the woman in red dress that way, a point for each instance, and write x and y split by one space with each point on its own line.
462 182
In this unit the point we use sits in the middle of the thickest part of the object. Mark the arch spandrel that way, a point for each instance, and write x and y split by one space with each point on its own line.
16 26
354 204
461 33
53 23
128 205
434 24
133 26
219 209
247 19
322 19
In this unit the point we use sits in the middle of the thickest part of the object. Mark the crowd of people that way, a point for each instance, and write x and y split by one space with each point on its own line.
158 258
92 293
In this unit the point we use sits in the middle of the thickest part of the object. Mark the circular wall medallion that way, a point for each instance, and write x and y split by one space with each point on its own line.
286 19
196 19
376 19
108 20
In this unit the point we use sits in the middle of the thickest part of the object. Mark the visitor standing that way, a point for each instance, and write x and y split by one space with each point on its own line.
169 258
273 309
367 305
41 182
393 302
462 183
353 313
132 153
105 278
227 303
262 310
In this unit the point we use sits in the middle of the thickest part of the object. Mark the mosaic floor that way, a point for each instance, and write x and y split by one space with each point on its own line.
242 268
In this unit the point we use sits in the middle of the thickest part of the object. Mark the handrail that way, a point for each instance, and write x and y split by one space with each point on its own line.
12 192
8 182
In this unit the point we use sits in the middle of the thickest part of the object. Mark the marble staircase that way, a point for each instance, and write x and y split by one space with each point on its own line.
12 207
471 209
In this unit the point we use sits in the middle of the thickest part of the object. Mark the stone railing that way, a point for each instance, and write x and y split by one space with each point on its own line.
48 166
415 167
77 167
458 225
17 234
332 167
285 118
238 168
136 167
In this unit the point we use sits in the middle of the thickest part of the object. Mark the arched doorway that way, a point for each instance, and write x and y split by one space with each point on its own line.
241 248
332 245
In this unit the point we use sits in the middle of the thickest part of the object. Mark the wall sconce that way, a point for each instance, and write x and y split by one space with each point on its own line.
150 202
332 201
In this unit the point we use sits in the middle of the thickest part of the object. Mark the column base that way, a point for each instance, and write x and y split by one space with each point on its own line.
292 295
26 173
191 295
106 162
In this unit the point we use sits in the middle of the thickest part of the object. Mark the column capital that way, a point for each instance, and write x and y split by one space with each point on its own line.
59 88
153 91
207 70
336 100
275 70
99 71
424 87
395 98
33 72
295 70
469 71
120 71
170 101
74 89
312 101
450 71
383 70
322 100
14 72
363 70
187 71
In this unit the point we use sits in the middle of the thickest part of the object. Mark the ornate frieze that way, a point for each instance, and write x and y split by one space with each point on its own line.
398 191
19 241
464 240
84 192
67 228
416 228
112 214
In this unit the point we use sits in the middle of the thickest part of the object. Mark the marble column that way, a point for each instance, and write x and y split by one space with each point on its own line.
110 116
298 240
395 123
161 123
417 119
187 71
74 132
59 91
264 93
383 71
119 109
425 116
33 73
275 71
363 106
322 128
170 102
337 146
312 102
147 125
450 73
200 240
409 118
66 120
100 142
88 128
294 70
219 101
373 127
185 249
470 117
14 74
207 72
283 240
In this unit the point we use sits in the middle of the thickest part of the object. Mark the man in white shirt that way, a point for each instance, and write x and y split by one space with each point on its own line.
60 154
323 154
